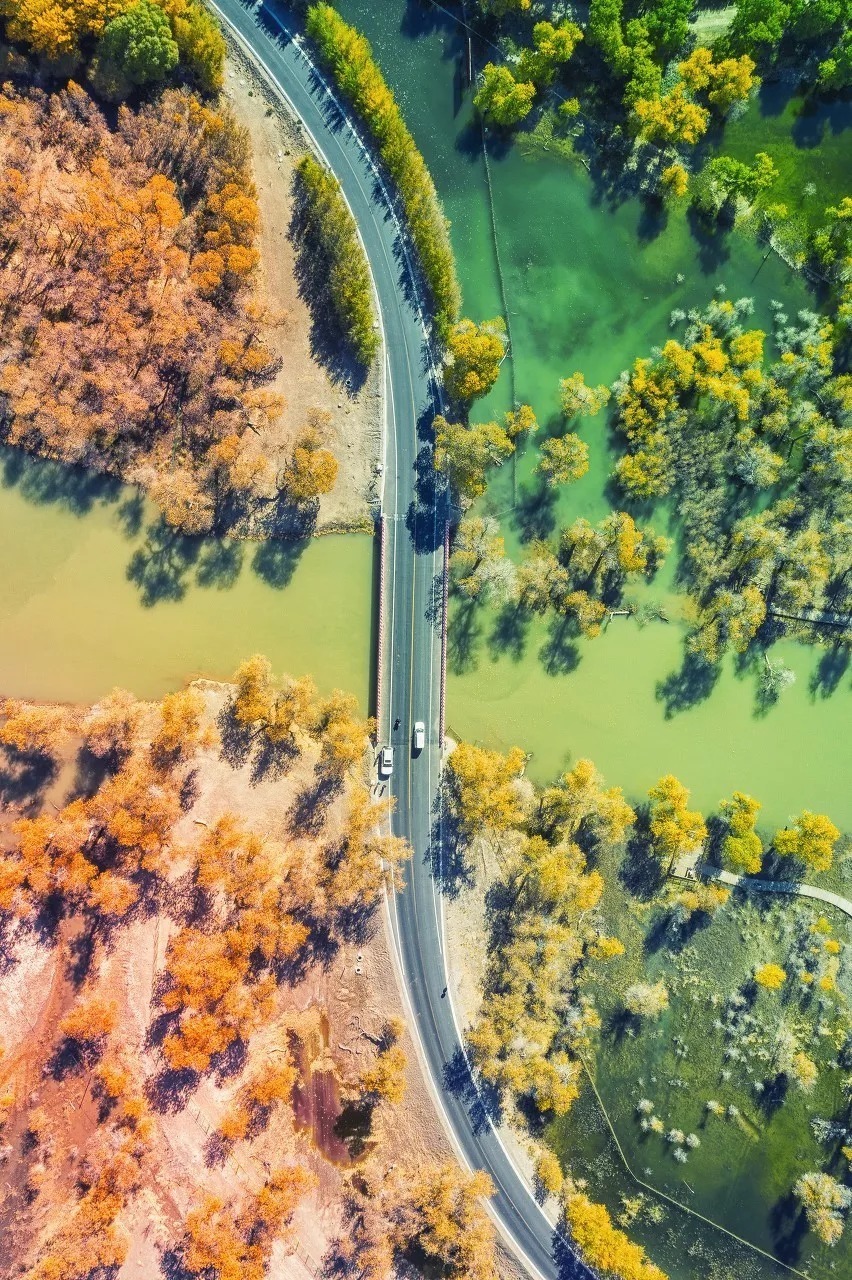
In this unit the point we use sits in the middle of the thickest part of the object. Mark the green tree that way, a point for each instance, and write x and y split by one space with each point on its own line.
758 22
604 30
137 48
464 454
552 46
836 71
349 58
541 579
502 100
667 24
724 179
563 459
337 249
811 18
833 241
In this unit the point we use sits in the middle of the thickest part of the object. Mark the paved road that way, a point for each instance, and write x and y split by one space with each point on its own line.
414 515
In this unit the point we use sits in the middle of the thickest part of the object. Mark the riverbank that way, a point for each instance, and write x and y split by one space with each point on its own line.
308 378
720 1037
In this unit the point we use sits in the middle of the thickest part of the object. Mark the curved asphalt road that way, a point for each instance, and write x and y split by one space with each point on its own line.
414 513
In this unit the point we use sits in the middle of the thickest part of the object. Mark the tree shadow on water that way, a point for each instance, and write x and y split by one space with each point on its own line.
219 563
43 482
560 654
535 511
831 669
686 688
788 1225
130 514
509 633
464 634
713 250
275 561
160 568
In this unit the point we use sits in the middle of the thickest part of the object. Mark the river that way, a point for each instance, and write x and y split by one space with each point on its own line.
94 594
590 281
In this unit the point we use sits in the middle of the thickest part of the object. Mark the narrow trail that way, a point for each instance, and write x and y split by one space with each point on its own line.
685 870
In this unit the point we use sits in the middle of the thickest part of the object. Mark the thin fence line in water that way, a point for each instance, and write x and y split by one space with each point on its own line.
684 1208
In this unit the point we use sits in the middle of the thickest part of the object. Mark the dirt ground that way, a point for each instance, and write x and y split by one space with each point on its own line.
337 1010
355 431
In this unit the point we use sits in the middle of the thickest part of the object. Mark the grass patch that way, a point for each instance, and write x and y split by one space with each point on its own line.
720 1040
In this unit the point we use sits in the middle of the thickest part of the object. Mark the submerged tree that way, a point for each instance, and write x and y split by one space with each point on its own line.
474 354
824 1200
478 563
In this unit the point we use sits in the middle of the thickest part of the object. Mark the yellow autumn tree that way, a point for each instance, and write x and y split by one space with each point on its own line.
483 788
602 1244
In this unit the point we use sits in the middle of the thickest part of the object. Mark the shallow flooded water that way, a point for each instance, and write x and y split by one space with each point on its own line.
589 281
96 591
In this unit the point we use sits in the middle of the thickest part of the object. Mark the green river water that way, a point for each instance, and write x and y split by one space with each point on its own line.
589 284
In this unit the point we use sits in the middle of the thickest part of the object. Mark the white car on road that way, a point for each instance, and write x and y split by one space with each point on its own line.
419 735
386 762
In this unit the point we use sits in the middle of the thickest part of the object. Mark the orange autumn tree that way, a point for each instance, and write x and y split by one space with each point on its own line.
436 1210
132 339
221 984
235 1244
